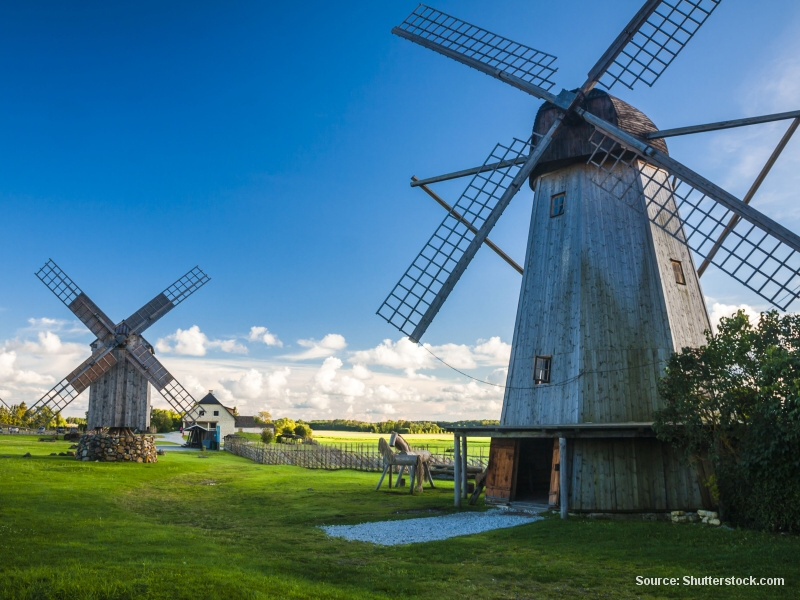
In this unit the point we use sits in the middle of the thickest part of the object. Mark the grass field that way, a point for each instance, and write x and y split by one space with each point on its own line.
223 527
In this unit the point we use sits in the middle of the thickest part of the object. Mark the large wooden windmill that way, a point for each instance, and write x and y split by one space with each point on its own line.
122 361
610 287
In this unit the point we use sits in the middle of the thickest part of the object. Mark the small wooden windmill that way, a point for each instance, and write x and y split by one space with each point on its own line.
609 286
122 361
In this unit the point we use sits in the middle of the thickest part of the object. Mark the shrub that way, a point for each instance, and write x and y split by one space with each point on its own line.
736 402
267 435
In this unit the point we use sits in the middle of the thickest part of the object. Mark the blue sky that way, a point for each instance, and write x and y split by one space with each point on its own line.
272 145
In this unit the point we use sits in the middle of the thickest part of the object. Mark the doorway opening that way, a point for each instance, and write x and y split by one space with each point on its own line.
537 471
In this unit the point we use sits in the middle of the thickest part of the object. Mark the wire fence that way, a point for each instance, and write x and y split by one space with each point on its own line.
356 456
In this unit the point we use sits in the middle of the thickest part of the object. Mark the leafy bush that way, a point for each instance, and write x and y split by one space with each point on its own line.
267 435
736 402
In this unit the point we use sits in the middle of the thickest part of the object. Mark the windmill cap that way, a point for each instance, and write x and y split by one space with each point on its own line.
571 144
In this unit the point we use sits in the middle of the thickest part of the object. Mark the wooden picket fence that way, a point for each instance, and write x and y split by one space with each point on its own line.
360 457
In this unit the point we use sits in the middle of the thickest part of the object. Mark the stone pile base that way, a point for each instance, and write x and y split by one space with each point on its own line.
116 448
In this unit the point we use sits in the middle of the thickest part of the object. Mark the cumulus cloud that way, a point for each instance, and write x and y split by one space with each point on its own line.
719 310
327 346
9 373
262 334
407 356
403 355
193 342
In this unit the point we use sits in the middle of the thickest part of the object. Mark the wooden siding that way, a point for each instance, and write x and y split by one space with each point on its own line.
120 398
632 475
600 297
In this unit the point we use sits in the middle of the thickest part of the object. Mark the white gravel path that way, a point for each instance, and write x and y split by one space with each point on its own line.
414 531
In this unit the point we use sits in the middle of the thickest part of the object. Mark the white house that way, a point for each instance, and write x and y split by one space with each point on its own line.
209 413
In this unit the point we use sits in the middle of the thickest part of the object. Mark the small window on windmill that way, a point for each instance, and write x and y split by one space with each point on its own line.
541 369
557 205
677 269
216 413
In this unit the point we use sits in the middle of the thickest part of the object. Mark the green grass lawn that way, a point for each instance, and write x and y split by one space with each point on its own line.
224 527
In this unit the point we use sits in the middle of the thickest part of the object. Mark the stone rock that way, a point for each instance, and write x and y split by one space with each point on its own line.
54 454
714 522
26 455
677 513
105 447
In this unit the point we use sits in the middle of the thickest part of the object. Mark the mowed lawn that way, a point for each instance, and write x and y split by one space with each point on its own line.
223 527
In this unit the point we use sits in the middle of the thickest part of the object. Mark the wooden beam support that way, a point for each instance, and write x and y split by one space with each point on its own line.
464 466
457 469
473 171
722 125
563 481
514 265
750 193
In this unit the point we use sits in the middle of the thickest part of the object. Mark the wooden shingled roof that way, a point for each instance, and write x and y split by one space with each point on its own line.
571 145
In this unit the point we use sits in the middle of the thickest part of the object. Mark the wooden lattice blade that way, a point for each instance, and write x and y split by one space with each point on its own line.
164 302
426 284
517 64
78 302
140 356
650 42
69 388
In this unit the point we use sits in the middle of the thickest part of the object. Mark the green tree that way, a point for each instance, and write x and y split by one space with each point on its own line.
303 430
283 424
263 417
736 403
164 420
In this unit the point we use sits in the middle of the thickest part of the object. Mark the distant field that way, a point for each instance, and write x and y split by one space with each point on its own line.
224 527
435 442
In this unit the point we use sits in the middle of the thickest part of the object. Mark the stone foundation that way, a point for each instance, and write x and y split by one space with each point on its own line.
116 448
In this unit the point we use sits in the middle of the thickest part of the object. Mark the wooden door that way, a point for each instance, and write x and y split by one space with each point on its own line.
502 469
554 476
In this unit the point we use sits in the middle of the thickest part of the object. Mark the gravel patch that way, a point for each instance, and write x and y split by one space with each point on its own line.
427 529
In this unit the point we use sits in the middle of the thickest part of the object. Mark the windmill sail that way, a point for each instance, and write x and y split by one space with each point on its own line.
408 305
69 388
427 283
167 300
79 303
650 43
755 251
140 356
478 48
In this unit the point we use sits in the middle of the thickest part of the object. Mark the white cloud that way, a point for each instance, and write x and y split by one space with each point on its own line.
327 346
719 310
493 352
383 410
361 372
9 373
262 334
410 357
193 342
403 355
